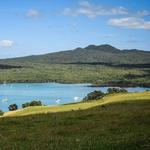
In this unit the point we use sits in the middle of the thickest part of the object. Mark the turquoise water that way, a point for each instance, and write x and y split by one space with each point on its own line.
48 93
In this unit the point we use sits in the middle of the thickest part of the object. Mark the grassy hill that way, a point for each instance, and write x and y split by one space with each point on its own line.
83 105
102 65
122 124
106 54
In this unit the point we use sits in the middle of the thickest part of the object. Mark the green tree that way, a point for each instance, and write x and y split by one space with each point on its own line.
32 103
25 105
116 90
1 113
94 95
35 103
13 107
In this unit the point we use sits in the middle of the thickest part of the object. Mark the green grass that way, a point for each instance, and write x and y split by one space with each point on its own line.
99 65
123 124
95 74
82 105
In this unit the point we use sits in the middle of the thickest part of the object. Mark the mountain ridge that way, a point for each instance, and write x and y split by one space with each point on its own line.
93 53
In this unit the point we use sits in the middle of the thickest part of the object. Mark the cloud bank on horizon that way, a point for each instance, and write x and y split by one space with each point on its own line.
39 27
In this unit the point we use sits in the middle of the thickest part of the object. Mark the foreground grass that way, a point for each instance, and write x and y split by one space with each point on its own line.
83 105
122 125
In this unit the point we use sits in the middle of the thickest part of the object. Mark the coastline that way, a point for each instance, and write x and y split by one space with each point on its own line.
107 84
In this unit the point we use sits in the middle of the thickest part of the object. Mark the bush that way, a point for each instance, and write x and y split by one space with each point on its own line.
32 103
25 105
116 90
36 103
123 90
1 113
94 95
12 107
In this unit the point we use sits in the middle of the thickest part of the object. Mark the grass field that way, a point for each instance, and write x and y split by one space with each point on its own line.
123 124
99 65
81 106
81 73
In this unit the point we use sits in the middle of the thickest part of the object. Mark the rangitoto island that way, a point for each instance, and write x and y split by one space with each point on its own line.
102 65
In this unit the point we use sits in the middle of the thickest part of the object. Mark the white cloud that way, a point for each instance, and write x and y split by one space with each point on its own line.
33 13
109 36
134 20
6 43
87 9
132 41
130 22
142 13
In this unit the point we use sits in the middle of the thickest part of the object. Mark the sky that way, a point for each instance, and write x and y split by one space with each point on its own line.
32 27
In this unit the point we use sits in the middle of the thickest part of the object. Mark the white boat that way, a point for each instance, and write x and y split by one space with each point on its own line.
58 101
4 100
76 99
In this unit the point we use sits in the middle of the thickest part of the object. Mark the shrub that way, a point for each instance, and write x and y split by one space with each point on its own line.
116 90
32 103
94 95
25 105
36 103
123 90
12 107
1 113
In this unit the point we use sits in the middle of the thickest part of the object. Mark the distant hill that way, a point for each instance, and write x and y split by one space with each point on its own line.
90 54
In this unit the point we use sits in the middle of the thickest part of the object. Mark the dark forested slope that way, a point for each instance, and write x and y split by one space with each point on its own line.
90 54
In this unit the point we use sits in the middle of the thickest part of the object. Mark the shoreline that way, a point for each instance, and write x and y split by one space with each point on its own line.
109 84
101 100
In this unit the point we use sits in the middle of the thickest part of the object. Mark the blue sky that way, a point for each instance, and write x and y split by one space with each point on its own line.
35 27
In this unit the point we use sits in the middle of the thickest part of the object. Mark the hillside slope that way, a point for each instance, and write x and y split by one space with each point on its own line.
90 54
123 125
83 105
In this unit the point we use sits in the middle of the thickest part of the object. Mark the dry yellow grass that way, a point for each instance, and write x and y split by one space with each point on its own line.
122 97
